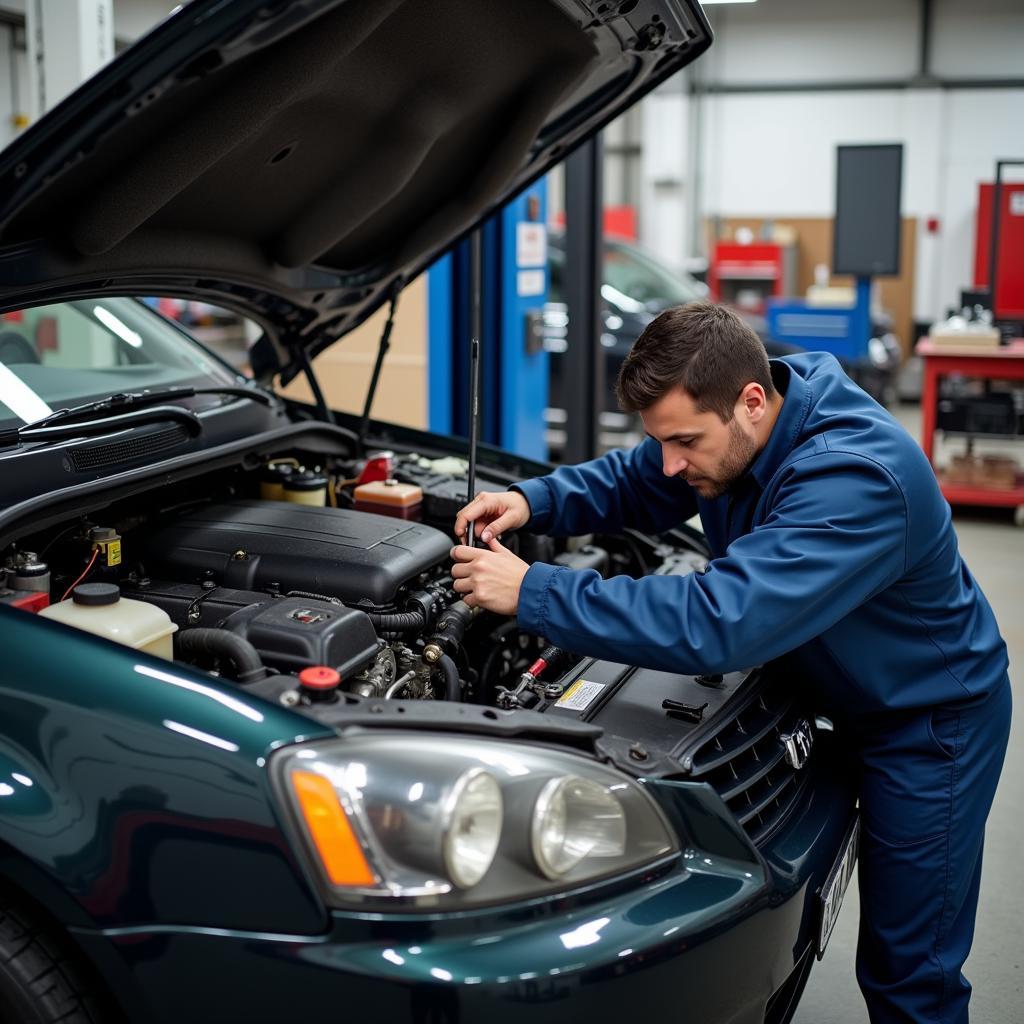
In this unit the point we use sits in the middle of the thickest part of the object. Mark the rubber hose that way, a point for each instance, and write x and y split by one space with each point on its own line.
452 690
314 597
397 622
221 643
383 622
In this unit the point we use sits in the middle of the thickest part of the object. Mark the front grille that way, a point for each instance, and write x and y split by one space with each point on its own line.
99 456
744 759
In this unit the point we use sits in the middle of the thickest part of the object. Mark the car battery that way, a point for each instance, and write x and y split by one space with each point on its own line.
26 586
389 498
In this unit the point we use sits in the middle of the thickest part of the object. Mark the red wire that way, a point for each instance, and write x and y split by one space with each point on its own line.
92 561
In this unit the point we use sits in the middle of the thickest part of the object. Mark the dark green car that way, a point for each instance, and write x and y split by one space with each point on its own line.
257 761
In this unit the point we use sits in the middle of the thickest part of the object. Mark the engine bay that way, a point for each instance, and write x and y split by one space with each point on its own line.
314 579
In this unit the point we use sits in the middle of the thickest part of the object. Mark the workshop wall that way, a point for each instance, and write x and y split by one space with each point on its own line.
746 151
344 370
774 155
13 82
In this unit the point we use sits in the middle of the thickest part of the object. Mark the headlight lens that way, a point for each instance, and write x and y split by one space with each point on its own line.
575 818
473 827
392 818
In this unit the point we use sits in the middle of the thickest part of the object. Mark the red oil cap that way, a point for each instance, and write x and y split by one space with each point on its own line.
319 677
378 467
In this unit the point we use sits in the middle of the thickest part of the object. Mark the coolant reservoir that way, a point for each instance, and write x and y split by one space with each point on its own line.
389 498
306 489
99 608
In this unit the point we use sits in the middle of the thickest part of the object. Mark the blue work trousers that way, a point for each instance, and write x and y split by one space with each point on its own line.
926 788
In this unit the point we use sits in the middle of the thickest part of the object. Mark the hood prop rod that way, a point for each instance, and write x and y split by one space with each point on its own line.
323 412
476 329
382 351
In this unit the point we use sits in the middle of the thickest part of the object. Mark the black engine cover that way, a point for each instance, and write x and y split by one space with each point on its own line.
253 544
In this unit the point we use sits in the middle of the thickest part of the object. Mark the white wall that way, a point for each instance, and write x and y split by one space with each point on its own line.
9 84
134 18
794 40
787 40
773 153
982 38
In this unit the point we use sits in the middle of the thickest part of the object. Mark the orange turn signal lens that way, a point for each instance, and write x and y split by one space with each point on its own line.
342 856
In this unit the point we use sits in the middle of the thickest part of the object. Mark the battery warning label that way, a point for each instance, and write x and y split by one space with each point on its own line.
580 695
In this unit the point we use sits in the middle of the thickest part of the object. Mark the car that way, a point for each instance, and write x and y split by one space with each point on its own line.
636 286
257 760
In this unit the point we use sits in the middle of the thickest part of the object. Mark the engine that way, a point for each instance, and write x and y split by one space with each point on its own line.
305 593
280 546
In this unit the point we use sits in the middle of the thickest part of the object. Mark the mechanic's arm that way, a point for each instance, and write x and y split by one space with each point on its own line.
836 536
622 488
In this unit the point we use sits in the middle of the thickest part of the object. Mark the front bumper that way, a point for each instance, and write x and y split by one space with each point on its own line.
708 940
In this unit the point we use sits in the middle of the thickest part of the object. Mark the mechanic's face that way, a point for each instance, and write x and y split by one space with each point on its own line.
697 446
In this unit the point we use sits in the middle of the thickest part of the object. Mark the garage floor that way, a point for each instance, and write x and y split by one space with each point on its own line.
993 548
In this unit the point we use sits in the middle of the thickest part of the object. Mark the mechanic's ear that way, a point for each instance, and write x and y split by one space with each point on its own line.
754 401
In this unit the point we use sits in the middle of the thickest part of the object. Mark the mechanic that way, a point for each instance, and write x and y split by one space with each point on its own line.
832 543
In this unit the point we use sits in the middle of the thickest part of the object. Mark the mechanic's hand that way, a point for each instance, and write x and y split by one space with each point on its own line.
489 577
492 513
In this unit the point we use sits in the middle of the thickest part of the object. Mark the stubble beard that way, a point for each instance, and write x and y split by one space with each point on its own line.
738 457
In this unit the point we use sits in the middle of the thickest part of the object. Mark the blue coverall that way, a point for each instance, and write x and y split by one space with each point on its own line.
835 545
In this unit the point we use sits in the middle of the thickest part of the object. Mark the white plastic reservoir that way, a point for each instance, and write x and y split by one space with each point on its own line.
99 608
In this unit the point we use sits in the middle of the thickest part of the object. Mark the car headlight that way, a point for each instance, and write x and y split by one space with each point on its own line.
389 818
575 818
472 827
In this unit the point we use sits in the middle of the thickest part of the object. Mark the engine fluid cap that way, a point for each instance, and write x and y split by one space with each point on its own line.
319 677
96 593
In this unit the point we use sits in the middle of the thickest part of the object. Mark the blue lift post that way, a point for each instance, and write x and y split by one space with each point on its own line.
513 363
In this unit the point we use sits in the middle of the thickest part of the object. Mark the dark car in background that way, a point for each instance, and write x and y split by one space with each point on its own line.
636 286
257 760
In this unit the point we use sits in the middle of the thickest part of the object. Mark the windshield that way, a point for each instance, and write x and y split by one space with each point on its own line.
76 352
632 272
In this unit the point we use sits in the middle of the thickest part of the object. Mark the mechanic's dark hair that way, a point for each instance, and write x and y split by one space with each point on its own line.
706 349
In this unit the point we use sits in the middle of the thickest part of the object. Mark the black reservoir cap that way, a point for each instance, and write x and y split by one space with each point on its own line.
96 593
276 472
305 482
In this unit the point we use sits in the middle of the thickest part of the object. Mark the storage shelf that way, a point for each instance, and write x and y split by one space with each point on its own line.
1006 363
979 436
965 494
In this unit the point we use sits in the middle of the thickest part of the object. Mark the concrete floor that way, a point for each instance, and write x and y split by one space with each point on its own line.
993 548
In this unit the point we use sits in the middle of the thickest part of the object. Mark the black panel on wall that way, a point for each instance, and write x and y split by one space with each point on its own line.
866 239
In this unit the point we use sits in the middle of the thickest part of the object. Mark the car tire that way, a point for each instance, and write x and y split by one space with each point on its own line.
40 982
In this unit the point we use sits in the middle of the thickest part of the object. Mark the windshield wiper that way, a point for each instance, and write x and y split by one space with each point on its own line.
125 400
118 412
106 425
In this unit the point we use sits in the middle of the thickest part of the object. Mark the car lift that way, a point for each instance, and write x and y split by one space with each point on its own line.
513 363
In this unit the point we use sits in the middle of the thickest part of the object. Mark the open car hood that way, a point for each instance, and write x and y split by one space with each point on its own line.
294 160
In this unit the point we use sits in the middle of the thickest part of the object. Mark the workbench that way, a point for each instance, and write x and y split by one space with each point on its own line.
1003 363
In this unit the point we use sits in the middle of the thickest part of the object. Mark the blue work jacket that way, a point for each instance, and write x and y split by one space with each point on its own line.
836 545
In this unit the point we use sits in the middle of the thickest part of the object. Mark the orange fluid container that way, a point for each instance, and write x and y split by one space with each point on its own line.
389 498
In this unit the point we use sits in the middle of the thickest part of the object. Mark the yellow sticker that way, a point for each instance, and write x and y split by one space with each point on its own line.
580 695
114 553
